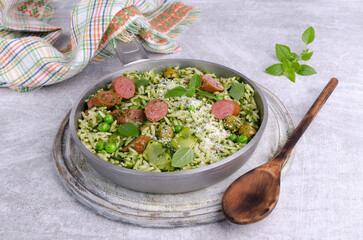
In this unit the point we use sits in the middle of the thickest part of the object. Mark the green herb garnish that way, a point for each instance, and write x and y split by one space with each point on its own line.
128 129
193 85
289 60
236 91
182 157
141 82
207 94
190 92
175 92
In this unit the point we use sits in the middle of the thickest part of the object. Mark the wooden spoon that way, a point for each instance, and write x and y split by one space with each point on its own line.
252 196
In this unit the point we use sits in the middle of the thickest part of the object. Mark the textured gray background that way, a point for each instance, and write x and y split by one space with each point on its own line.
321 197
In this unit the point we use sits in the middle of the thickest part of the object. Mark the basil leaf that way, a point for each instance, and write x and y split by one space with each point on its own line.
207 94
286 65
195 81
290 60
282 52
295 66
291 75
236 91
182 157
275 70
306 56
190 92
306 70
175 92
294 56
309 35
128 129
141 82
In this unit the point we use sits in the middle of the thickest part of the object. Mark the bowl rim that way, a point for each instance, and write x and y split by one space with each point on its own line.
205 168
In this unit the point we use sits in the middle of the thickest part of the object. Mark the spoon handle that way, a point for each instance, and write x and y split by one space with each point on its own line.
305 122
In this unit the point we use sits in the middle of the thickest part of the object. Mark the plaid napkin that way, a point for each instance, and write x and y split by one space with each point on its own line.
28 60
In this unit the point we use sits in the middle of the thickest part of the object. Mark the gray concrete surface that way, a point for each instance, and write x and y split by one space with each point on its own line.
321 197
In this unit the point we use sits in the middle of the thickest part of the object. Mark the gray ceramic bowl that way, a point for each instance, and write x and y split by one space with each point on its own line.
170 182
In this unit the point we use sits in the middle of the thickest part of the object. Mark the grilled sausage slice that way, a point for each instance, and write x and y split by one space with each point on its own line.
210 84
156 110
128 115
124 86
105 98
224 108
139 144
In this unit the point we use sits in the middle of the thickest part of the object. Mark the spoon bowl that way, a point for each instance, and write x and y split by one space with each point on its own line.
259 194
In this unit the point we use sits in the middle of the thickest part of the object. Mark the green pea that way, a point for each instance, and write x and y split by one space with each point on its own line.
100 146
233 137
242 139
103 152
178 128
108 119
99 117
218 98
190 108
110 147
104 127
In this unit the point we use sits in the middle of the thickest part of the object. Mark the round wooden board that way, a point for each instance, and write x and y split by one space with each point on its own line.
162 210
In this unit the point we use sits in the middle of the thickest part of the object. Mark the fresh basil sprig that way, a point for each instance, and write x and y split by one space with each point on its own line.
193 85
141 82
190 92
128 129
237 90
289 60
175 92
182 157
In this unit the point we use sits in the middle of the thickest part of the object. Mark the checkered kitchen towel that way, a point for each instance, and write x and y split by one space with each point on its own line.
28 60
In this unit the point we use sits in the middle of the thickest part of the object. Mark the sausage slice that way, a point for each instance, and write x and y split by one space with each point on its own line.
108 98
223 108
124 86
128 115
210 84
93 103
139 144
156 110
105 98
